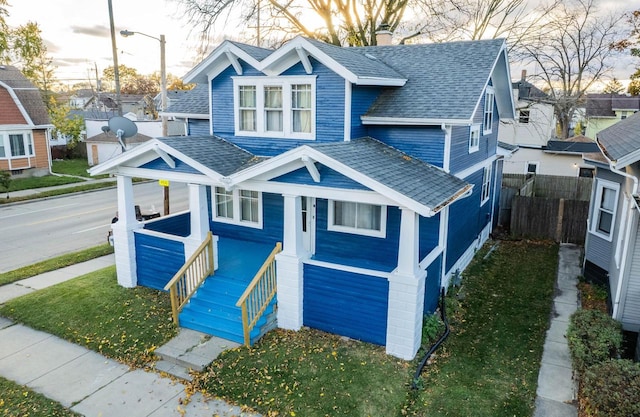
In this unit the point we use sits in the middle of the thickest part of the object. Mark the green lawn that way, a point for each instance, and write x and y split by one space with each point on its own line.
488 366
19 401
94 311
39 182
76 166
55 263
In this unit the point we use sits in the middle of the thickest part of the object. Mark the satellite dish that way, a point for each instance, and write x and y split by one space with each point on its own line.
123 127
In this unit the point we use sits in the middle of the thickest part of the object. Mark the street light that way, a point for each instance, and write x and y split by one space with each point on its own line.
163 87
163 74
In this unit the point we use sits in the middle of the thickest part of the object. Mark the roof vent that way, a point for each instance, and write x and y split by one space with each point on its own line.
2 67
371 57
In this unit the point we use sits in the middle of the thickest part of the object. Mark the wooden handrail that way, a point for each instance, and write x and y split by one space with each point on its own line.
259 293
189 278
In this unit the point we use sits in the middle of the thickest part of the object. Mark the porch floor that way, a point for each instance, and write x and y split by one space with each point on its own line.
241 259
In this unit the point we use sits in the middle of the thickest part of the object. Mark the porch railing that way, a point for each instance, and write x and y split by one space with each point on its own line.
189 278
258 295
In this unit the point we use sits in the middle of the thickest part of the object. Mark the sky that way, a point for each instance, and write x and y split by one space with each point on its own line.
77 34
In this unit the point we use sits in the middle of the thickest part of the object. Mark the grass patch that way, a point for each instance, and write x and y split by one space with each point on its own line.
19 401
30 183
125 324
489 365
76 166
55 263
309 373
61 191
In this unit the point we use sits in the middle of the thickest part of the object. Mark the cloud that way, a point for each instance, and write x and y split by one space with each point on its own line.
97 30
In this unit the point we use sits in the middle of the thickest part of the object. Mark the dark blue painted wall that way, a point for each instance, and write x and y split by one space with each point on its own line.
345 303
272 224
158 164
362 97
432 287
198 127
429 234
179 225
423 142
329 110
357 250
157 260
328 178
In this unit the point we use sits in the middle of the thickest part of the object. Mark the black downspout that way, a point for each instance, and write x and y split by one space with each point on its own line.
437 344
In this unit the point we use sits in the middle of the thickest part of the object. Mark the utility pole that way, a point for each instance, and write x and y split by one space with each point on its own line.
114 51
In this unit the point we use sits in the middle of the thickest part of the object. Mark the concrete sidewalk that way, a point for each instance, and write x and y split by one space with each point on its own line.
557 390
83 380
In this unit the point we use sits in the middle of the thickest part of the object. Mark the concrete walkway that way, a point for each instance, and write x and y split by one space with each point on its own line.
85 381
557 389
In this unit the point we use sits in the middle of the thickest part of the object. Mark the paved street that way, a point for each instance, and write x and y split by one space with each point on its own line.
41 229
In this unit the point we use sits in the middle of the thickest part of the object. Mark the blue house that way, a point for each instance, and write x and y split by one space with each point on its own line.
376 168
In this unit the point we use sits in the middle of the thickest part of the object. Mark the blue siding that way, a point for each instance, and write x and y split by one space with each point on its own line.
429 234
466 220
432 287
198 127
357 250
345 303
179 225
329 110
362 97
328 178
424 142
272 223
157 260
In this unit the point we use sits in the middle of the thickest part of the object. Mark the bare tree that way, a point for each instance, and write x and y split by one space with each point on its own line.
352 22
573 54
481 19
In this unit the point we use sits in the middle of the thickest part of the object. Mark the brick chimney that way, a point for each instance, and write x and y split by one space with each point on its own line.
383 35
524 75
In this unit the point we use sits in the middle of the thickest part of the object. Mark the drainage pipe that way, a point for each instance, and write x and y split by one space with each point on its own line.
437 344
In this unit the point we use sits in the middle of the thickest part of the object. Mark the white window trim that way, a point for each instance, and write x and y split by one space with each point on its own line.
526 167
474 147
486 185
622 232
489 102
4 139
593 227
287 120
236 210
331 226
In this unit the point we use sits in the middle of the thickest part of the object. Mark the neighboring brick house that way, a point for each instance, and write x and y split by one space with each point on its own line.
25 127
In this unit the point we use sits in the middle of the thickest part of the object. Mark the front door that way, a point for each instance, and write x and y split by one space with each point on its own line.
308 223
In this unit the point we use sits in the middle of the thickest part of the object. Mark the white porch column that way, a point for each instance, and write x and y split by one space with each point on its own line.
123 238
199 215
289 266
406 292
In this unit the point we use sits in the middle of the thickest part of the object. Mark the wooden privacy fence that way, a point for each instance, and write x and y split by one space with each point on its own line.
549 218
550 186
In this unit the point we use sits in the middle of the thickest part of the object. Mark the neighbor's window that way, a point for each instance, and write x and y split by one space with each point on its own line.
532 167
474 138
16 145
488 111
605 208
238 206
486 185
359 218
523 116
281 107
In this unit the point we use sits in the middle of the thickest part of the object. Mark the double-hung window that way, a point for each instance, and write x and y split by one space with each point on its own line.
487 124
474 138
358 218
16 145
605 207
242 207
486 185
281 107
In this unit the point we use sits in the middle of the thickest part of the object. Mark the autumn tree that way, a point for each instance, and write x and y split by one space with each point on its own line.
573 54
613 87
4 29
65 124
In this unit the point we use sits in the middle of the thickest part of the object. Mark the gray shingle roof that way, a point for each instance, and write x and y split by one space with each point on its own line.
195 101
27 93
621 139
213 152
359 62
445 80
416 179
255 51
527 91
603 105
